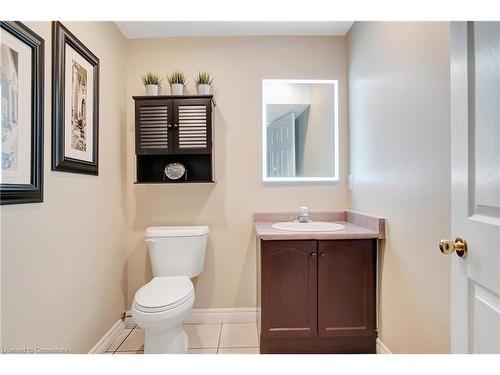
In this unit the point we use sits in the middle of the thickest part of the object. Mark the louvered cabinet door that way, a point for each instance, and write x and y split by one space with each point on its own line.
153 121
193 126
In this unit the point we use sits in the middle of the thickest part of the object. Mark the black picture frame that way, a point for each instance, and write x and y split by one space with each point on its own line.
33 192
60 162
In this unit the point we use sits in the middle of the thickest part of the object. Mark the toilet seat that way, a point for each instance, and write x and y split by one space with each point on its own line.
163 294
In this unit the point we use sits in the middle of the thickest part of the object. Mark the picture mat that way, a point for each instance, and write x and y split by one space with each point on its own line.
22 173
73 55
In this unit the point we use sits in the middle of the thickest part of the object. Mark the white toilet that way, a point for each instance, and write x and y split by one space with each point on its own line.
177 254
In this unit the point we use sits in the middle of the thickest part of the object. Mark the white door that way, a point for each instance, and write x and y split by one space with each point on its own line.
475 158
281 146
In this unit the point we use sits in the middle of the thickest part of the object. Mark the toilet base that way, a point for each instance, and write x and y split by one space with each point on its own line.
172 341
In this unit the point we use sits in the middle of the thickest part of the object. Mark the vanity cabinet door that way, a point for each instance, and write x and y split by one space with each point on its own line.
346 292
289 288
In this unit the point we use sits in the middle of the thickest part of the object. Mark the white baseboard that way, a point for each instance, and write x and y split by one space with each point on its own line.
237 315
381 348
108 338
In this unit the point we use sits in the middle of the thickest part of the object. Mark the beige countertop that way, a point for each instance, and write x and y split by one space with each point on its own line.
357 226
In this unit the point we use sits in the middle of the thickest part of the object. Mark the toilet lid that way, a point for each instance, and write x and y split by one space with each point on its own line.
163 293
177 231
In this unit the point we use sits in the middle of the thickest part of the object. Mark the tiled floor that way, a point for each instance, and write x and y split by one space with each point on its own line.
212 338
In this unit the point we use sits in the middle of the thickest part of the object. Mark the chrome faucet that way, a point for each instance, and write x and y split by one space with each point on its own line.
303 216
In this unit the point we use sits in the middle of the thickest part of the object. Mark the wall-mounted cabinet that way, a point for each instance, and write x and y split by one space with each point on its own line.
173 129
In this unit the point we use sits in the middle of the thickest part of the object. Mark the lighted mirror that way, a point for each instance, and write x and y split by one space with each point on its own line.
300 130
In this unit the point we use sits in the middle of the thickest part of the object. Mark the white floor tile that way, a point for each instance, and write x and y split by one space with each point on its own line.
203 335
239 351
202 351
129 322
240 335
133 342
118 340
228 338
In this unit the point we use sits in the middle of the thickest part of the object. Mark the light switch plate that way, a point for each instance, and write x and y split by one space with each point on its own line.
349 182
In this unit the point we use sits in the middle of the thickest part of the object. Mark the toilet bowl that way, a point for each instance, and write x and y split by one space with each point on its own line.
160 306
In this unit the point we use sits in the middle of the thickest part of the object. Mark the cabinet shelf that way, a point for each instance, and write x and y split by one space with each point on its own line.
150 168
173 182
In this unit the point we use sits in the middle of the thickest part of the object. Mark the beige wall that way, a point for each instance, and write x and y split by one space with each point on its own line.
62 260
400 161
226 207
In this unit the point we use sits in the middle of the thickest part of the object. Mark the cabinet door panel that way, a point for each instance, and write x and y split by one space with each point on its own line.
346 291
193 126
289 288
153 122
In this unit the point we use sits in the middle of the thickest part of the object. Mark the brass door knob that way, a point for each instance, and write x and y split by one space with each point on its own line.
448 247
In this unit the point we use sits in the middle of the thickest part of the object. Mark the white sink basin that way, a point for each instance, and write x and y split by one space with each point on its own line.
313 226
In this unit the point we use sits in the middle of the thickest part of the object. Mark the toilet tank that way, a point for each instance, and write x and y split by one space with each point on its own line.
177 250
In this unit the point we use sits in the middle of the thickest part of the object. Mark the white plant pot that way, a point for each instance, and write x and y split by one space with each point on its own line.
177 88
203 89
152 89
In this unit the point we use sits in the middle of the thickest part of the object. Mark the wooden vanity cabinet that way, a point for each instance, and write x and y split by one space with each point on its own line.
317 296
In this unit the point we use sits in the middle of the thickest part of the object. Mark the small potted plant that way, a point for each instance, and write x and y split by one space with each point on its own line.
177 82
203 83
152 82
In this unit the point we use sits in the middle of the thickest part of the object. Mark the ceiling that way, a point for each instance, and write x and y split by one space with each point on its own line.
163 29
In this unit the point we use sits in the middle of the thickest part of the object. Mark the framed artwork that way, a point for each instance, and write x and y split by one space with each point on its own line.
75 104
21 86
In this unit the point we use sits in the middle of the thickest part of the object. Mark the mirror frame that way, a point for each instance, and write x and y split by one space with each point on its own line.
335 177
